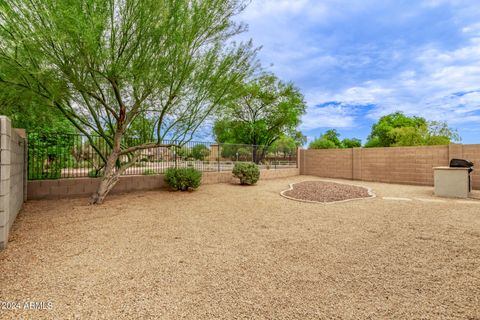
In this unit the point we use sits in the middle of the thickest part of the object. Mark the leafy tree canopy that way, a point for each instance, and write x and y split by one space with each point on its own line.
321 143
30 113
105 63
264 110
331 140
397 129
288 145
352 143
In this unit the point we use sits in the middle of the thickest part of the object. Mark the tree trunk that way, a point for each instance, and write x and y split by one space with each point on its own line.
109 179
262 154
111 174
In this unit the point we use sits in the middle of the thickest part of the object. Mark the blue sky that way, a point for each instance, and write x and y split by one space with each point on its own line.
358 60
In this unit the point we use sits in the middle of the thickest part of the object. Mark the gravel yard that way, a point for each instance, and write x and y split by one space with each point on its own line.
236 252
326 192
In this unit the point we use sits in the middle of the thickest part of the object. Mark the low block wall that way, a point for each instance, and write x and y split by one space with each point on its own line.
405 165
12 176
84 187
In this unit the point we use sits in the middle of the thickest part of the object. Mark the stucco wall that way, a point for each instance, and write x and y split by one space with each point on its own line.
12 176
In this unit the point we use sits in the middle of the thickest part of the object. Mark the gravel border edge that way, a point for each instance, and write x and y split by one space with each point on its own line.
369 190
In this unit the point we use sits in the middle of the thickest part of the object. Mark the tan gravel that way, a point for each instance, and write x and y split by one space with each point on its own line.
236 252
325 191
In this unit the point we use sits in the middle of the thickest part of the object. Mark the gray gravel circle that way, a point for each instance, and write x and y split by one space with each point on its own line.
322 191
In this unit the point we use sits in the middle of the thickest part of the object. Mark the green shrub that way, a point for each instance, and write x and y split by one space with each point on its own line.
200 151
183 178
247 172
149 172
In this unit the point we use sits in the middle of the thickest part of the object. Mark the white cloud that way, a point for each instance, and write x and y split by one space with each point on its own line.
334 116
261 9
427 75
429 91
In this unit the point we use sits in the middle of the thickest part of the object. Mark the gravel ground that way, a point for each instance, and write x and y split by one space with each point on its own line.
323 191
235 252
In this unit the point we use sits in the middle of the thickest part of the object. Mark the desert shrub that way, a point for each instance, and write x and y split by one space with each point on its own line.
183 178
149 172
244 153
200 151
182 152
247 172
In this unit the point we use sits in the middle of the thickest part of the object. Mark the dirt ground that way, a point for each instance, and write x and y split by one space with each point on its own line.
236 252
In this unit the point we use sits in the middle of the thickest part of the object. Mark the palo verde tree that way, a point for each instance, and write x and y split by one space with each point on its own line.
264 110
106 63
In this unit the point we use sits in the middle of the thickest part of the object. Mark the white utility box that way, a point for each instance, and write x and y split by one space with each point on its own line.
452 182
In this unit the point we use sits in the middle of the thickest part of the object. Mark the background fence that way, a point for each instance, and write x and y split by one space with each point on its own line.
406 165
54 156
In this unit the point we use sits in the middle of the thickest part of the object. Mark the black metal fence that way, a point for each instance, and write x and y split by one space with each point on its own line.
54 156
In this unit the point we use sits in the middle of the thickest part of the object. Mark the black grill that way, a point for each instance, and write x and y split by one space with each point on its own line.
461 163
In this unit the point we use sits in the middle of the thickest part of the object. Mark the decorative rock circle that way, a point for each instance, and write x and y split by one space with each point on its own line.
326 192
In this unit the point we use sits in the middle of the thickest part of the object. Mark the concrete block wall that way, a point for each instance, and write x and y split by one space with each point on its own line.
12 176
332 163
406 165
409 165
84 187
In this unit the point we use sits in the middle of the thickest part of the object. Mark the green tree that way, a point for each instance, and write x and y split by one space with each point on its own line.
383 133
352 143
200 151
264 110
32 114
288 145
333 136
440 133
322 143
105 63
331 140
397 129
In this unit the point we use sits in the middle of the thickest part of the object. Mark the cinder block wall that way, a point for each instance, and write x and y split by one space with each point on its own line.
407 165
84 187
12 177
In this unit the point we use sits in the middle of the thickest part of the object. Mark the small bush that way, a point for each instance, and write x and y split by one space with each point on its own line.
247 172
182 179
200 151
149 172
